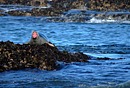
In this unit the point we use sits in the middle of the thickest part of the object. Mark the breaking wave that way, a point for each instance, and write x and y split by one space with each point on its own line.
85 16
95 20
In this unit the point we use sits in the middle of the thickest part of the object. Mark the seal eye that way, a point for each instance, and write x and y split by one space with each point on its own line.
34 35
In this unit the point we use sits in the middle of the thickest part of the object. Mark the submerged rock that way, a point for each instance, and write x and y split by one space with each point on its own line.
2 12
44 57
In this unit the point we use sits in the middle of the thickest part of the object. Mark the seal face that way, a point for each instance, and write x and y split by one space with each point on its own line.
34 35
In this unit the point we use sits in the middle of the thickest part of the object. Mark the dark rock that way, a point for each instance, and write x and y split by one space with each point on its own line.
38 3
58 7
2 1
25 2
16 56
108 5
2 12
103 58
113 16
107 58
64 5
19 13
45 12
36 12
71 16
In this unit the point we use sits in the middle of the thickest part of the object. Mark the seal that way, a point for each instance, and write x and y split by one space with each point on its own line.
36 38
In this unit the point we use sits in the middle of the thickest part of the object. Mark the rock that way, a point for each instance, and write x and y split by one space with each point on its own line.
44 57
2 1
45 12
108 5
38 3
103 58
64 5
113 16
36 12
25 2
2 12
19 13
58 7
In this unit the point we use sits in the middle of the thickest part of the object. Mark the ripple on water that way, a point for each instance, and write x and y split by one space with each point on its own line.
97 40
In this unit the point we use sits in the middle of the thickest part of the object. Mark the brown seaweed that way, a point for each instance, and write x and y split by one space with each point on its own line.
44 57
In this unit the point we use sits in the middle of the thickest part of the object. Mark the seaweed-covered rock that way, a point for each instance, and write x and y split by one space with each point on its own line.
58 7
2 1
2 12
45 12
64 5
113 16
108 5
19 13
36 12
16 56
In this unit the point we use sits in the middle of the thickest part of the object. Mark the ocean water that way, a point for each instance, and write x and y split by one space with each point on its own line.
97 38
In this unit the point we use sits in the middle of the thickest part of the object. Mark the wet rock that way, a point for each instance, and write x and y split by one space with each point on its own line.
113 16
25 2
44 57
2 1
2 12
36 12
64 5
45 12
72 18
19 13
103 58
38 3
108 5
58 7
107 58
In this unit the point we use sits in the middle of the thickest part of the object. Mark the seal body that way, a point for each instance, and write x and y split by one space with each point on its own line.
38 41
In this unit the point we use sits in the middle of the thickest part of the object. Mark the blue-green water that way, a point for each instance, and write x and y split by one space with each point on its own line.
97 39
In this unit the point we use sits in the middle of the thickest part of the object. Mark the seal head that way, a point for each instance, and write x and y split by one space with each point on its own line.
35 35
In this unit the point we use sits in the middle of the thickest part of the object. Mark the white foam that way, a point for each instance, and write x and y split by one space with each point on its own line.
126 22
94 20
7 8
109 20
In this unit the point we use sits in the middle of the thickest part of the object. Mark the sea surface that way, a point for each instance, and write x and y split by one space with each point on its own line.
96 38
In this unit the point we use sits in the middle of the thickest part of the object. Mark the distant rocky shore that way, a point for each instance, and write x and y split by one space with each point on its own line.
102 5
58 7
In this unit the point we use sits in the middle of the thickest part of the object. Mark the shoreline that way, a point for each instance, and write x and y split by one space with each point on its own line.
72 15
57 7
